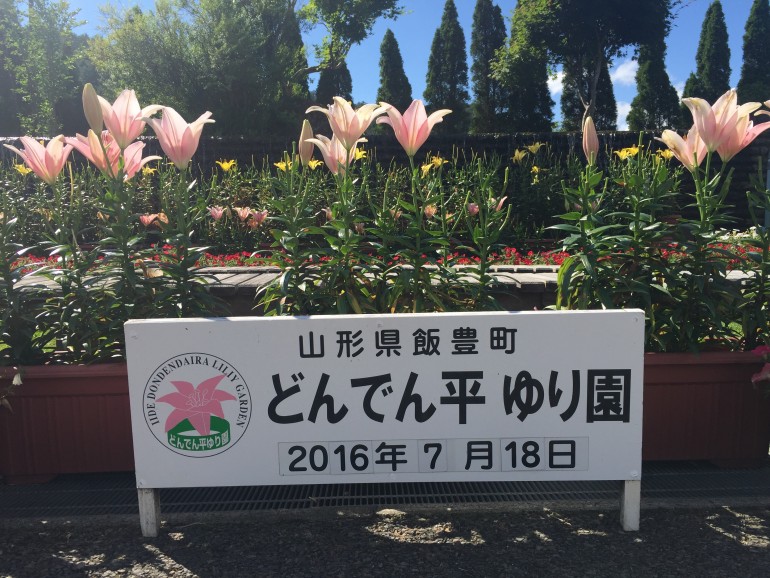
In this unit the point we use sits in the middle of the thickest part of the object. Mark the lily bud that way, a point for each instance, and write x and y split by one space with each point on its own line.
305 147
590 141
92 108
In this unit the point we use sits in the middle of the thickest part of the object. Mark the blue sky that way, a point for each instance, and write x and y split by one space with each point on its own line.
414 32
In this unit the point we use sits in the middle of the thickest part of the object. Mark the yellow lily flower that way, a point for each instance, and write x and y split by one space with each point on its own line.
360 154
283 165
533 148
426 169
518 156
438 161
314 164
148 171
22 169
226 165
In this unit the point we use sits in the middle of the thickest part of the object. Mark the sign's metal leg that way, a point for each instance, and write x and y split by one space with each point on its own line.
149 511
630 505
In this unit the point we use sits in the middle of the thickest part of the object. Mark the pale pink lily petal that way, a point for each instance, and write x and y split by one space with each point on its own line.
348 125
133 160
178 139
413 128
335 155
690 151
124 118
94 150
48 161
473 209
176 417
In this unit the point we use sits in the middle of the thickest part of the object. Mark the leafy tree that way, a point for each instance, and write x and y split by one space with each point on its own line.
152 52
394 85
10 61
577 79
592 33
46 78
656 104
712 72
334 82
754 85
447 78
236 59
487 36
348 22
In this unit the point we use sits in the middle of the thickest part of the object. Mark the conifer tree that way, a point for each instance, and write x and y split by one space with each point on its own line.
712 72
656 104
487 36
754 85
334 82
522 71
394 85
577 77
447 78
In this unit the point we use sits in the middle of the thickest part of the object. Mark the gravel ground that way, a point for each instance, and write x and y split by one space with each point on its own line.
554 541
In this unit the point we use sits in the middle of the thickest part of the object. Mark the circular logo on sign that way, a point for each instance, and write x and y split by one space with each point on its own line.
197 405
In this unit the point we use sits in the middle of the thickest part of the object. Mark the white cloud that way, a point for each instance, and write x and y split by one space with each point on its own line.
556 84
623 109
625 73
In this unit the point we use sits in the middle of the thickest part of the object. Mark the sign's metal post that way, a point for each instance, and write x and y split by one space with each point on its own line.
630 505
149 511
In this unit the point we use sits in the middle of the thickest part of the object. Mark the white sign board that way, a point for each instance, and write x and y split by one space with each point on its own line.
408 398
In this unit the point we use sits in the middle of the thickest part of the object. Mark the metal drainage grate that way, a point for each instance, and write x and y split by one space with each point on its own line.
99 494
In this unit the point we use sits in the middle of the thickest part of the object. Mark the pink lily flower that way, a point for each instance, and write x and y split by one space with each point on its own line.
738 130
690 150
196 404
178 139
46 161
715 123
256 218
590 141
413 128
243 212
305 148
124 118
498 204
473 209
336 156
109 164
217 213
348 125
133 160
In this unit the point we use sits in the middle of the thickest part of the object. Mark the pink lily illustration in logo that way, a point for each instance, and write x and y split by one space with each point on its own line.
197 404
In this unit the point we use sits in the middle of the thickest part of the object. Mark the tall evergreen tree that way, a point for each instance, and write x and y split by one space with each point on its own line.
656 104
447 78
577 79
712 71
10 61
334 82
487 36
522 70
394 85
754 85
